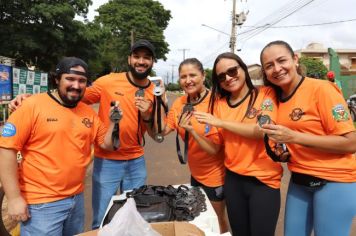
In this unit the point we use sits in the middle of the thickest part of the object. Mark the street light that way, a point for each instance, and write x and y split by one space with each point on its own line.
215 29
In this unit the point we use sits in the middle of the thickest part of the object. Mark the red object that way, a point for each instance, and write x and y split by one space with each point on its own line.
330 75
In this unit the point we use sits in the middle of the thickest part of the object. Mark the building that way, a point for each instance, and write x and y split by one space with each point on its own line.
317 50
255 73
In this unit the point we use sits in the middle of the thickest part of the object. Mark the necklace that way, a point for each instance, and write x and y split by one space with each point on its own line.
199 98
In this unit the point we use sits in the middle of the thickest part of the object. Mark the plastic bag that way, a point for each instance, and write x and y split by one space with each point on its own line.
128 222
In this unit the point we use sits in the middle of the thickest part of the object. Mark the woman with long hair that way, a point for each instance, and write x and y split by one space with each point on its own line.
315 124
252 179
207 171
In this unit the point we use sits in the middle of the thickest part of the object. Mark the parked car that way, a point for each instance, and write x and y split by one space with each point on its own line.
351 101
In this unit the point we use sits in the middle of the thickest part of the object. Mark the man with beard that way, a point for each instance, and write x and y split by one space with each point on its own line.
125 168
54 132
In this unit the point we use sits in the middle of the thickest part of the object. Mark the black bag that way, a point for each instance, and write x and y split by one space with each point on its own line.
159 203
307 180
152 203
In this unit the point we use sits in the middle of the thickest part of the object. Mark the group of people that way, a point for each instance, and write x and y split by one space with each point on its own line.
226 129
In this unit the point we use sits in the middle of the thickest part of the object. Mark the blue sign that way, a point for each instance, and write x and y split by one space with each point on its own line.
5 83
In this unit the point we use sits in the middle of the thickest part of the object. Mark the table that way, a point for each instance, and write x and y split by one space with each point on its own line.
206 221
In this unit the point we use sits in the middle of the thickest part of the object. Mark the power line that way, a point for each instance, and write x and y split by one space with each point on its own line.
215 29
276 16
306 25
212 56
268 25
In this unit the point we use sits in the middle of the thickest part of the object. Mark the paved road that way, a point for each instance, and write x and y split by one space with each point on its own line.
164 168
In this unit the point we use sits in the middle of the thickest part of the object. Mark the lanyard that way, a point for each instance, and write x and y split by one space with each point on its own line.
140 93
115 117
188 107
158 103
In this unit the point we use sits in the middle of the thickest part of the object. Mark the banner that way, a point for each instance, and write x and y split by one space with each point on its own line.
5 83
25 81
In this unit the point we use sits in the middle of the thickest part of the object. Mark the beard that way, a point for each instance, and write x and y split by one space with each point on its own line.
140 75
69 101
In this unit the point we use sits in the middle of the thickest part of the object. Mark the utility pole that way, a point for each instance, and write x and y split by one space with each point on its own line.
172 73
233 27
132 37
167 77
184 49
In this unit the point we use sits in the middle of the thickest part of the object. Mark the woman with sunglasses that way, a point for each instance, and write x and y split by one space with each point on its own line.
207 171
314 122
252 179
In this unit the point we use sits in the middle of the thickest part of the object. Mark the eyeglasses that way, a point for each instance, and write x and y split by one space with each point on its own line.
232 72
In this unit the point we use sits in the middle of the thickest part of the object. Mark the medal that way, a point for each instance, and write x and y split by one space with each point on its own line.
140 93
263 119
159 137
188 107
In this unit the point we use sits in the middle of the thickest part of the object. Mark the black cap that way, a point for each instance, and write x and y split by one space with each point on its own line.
64 66
143 43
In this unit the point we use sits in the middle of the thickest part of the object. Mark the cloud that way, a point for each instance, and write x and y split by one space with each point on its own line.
185 30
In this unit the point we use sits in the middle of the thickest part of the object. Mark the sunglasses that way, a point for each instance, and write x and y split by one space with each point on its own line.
232 72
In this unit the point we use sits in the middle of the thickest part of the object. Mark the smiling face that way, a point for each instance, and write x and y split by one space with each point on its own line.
191 79
140 63
71 87
234 82
279 66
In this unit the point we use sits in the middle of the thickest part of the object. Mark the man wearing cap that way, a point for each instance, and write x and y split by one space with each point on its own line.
125 168
54 132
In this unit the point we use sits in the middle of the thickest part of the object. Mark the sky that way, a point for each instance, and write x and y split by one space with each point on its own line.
186 33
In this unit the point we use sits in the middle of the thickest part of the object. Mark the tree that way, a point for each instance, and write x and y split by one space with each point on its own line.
122 19
208 79
314 67
40 32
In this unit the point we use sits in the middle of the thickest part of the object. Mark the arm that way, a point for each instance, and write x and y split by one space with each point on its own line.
92 94
345 143
245 130
203 142
17 206
17 101
114 118
145 107
107 144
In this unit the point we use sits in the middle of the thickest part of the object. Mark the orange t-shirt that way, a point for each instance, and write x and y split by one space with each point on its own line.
205 168
55 143
317 107
246 156
117 86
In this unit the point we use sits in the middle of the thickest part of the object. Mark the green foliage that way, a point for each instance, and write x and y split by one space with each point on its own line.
146 19
314 67
173 87
39 32
208 79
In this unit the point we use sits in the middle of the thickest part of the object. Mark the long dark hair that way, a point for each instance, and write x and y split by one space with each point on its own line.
264 76
217 92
